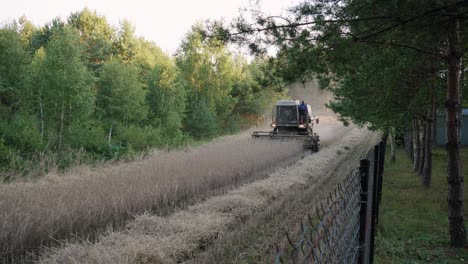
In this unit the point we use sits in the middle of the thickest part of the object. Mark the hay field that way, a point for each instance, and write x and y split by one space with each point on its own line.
181 236
87 201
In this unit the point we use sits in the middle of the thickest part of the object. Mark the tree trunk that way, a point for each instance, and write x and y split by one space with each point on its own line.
109 138
409 143
462 77
42 121
455 175
62 120
422 156
392 145
416 145
427 170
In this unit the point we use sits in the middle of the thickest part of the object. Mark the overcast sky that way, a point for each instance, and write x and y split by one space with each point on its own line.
162 21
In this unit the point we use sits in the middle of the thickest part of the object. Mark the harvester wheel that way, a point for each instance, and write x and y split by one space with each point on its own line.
315 145
315 148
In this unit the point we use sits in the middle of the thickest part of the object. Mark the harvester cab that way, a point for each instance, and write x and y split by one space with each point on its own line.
289 122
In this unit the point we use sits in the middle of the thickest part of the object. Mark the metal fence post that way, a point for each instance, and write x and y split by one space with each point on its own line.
376 186
381 165
375 200
364 174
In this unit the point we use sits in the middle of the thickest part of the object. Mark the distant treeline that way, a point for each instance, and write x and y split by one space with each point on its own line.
82 89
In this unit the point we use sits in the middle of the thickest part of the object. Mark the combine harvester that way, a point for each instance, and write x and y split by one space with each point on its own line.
289 123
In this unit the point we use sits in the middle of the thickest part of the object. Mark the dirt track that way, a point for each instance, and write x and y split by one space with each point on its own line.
182 235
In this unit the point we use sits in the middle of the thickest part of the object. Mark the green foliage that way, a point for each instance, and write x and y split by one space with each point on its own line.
66 83
96 34
232 125
126 45
26 30
120 96
201 121
138 138
167 100
6 154
22 134
208 70
252 91
89 136
42 36
171 129
13 58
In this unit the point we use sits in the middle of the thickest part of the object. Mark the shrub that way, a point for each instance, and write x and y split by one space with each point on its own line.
232 124
6 153
201 121
22 133
139 138
171 129
90 137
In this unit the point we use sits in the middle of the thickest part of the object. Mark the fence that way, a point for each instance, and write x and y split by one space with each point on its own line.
342 228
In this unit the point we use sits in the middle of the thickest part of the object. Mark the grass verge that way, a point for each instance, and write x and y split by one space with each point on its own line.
413 223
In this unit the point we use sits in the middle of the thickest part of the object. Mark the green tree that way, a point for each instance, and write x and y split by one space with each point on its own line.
120 97
32 90
96 34
148 55
201 121
26 30
43 35
207 68
65 84
13 59
126 46
166 99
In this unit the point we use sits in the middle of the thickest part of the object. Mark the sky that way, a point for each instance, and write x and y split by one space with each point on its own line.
163 21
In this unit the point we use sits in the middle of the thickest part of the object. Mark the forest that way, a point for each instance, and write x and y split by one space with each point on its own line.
82 90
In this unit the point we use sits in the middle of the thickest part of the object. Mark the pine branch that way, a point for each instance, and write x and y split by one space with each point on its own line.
441 56
406 21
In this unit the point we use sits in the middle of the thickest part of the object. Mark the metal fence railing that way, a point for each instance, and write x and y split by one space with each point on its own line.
342 228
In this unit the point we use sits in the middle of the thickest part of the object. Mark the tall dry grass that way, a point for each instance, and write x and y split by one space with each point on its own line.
180 236
86 200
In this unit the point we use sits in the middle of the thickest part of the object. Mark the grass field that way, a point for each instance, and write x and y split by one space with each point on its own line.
413 223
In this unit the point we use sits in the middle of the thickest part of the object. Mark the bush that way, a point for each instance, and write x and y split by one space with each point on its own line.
22 134
6 153
232 124
171 129
201 121
90 137
139 138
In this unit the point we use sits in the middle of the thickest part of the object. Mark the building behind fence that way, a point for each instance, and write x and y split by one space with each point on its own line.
342 228
441 127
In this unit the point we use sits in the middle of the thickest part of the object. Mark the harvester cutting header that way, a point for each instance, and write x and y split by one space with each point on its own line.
292 120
